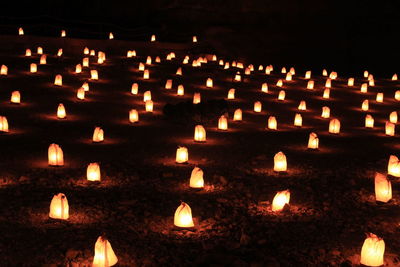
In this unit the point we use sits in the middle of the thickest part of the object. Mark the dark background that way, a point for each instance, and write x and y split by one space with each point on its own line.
348 37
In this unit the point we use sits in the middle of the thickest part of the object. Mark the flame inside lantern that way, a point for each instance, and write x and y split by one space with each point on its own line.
183 216
182 155
372 251
61 113
93 172
280 200
133 116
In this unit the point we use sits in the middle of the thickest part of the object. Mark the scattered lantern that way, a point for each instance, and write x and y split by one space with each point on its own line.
94 75
393 117
85 62
281 95
365 105
389 128
182 155
257 106
20 31
350 82
310 85
308 74
326 112
379 97
134 89
39 50
209 83
146 75
149 105
237 116
313 141
283 70
58 80
59 208
369 121
168 84
33 68
199 133
4 70
43 60
104 255
3 124
180 90
28 52
223 123
372 251
394 77
133 116
231 93
61 114
302 105
78 68
264 88
146 96
334 126
394 166
328 83
272 123
288 76
196 98
59 52
365 74
196 178
327 93
183 216
238 77
280 200
324 72
279 83
153 38
280 164
63 33
383 188
298 120
55 155
98 135
397 95
148 60
15 97
364 88
86 51
93 172
80 94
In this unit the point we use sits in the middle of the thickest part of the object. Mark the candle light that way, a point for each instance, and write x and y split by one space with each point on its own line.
288 76
257 106
55 155
302 105
59 52
146 96
199 133
397 95
328 83
238 77
196 178
183 216
209 83
59 208
39 50
279 83
153 38
389 128
94 75
365 74
58 80
298 120
310 85
379 97
394 77
327 93
98 135
61 113
86 51
223 123
280 200
272 123
146 75
326 112
110 36
179 71
182 155
80 94
33 68
264 88
78 68
133 116
4 70
43 60
149 106
393 117
92 52
134 89
194 39
181 90
15 97
196 98
394 166
308 74
104 255
168 84
93 172
334 126
372 251
383 188
280 164
158 60
283 70
148 60
324 72
85 62
364 88
369 121
350 82
237 116
20 31
313 141
365 105
3 124
333 75
28 52
281 95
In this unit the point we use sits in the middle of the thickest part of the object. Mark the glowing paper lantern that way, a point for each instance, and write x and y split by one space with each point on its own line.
237 116
58 80
334 126
134 89
264 88
326 112
350 82
146 96
328 83
63 33
59 52
280 200
364 88
93 172
55 155
85 86
33 68
231 93
168 84
104 255
365 105
397 95
283 70
153 38
257 106
110 36
302 105
182 155
238 77
310 85
394 77
4 70
298 120
199 133
369 121
92 52
80 94
372 251
196 178
59 208
196 98
20 31
281 95
43 60
61 113
279 83
183 216
308 74
223 123
28 52
394 166
86 51
78 68
180 90
15 97
389 128
327 93
379 97
383 188
280 164
393 117
288 76
272 123
133 116
371 82
3 124
209 83
333 75
365 74
149 106
98 135
146 75
194 39
39 50
148 60
313 141
94 75
85 62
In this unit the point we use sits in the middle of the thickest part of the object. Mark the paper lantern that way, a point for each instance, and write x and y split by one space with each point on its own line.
313 141
272 123
146 75
55 155
394 166
183 216
28 52
369 121
209 83
86 51
334 126
149 106
179 71
223 123
393 117
98 135
288 76
394 77
257 106
168 84
146 96
15 97
365 105
298 120
148 60
280 200
327 93
85 62
328 83
196 98
264 88
199 133
59 208
181 90
59 52
383 188
78 68
372 251
131 53
279 83
292 71
4 70
280 164
92 52
389 128
80 94
153 38
133 116
333 75
182 155
324 72
238 77
33 68
308 74
194 39
43 60
281 95
196 178
302 105
371 82
110 36
365 74
379 97
326 112
63 33
94 75
39 50
20 31
104 255
283 70
310 85
134 89
397 95
58 80
237 116
260 67
3 124
364 88
93 172
231 93
350 82
61 113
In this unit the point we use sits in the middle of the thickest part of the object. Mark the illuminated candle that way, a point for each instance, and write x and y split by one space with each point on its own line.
283 70
350 82
257 106
372 251
59 52
326 112
223 123
182 155
389 128
3 124
364 88
196 178
15 97
383 188
78 68
281 95
199 133
98 135
133 116
333 75
280 200
104 255
280 164
153 38
365 105
28 52
94 75
110 36
93 172
146 75
168 84
272 123
310 85
369 121
61 113
55 155
179 71
279 83
298 120
39 50
43 60
334 126
327 93
80 94
313 141
397 95
180 90
288 76
20 31
209 83
394 166
238 77
308 74
393 117
158 60
394 77
4 70
59 208
134 89
86 51
302 105
92 52
365 74
328 83
149 106
146 96
324 72
183 216
237 116
264 88
33 68
379 97
148 60
194 39
85 62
